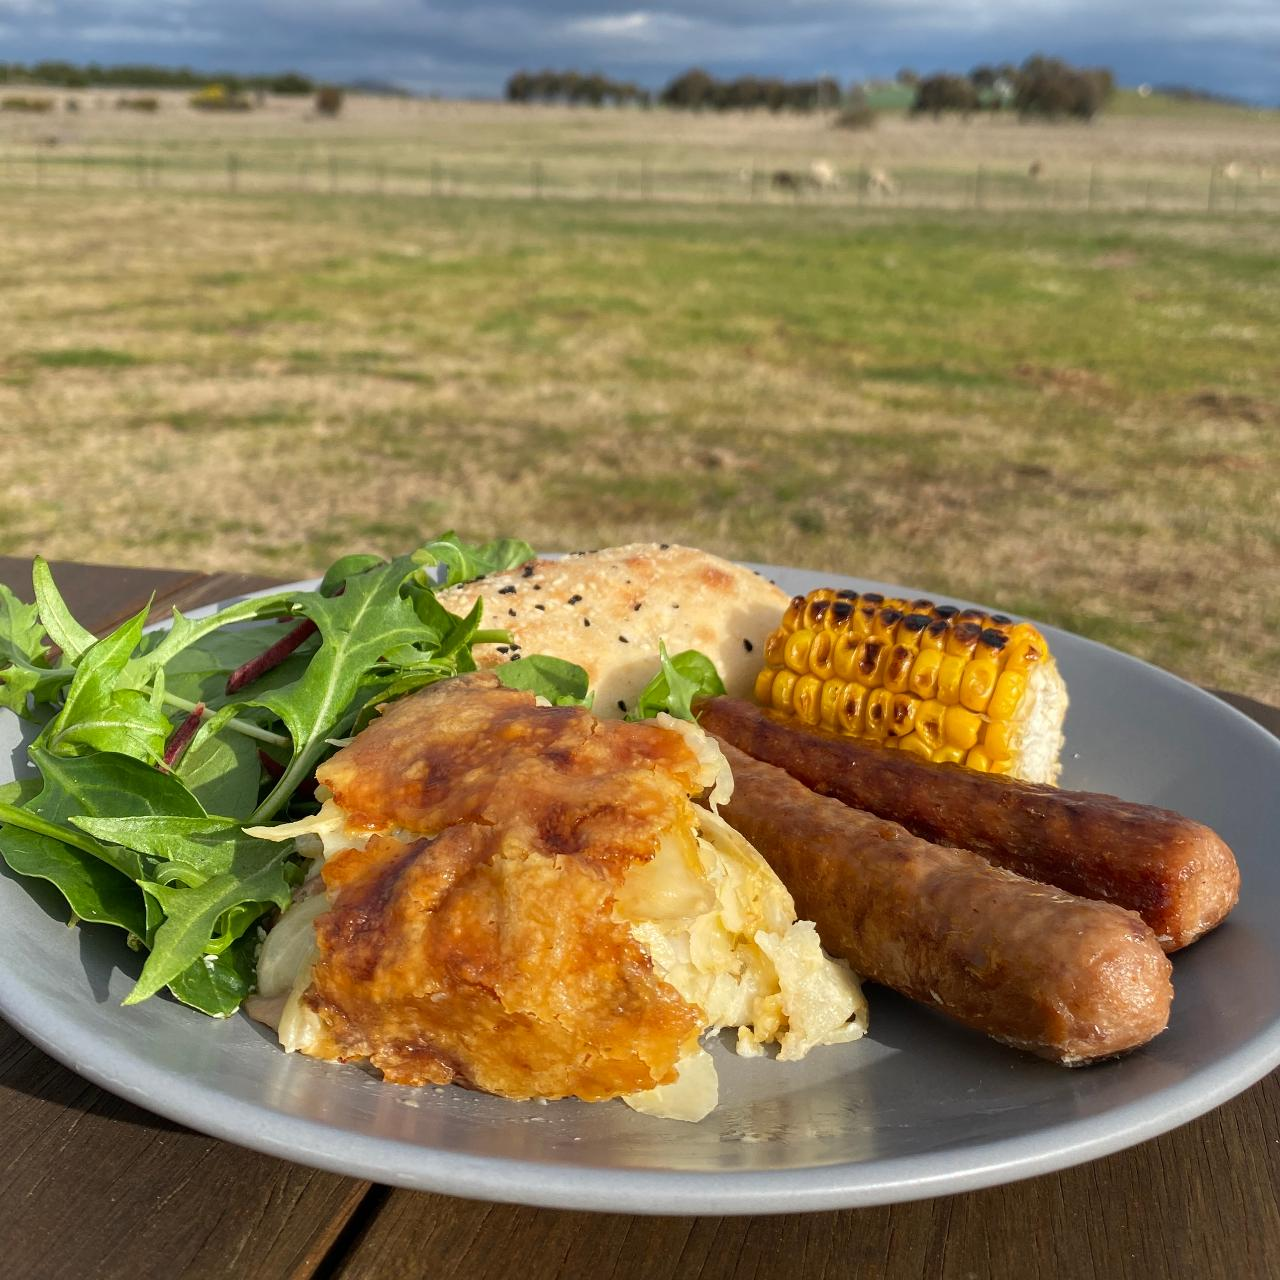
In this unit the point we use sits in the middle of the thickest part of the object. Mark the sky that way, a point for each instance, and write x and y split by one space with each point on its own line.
469 47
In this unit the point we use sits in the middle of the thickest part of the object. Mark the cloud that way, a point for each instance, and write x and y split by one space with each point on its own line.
470 46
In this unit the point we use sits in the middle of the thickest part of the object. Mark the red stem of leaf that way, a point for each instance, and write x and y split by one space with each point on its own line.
306 789
182 735
270 658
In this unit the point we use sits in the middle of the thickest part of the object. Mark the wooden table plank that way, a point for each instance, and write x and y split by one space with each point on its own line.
93 1186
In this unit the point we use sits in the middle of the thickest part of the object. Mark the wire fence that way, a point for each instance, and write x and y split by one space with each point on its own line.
1111 189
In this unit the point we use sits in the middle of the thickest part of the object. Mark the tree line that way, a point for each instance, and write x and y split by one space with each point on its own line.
69 75
694 90
1044 87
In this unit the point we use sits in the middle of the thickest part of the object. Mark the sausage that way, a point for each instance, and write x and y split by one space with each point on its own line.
1178 875
1067 978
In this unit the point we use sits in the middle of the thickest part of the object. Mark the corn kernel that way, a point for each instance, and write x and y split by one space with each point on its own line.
775 647
784 684
845 655
998 740
934 636
929 723
795 611
806 700
949 673
949 755
868 667
978 759
764 683
902 714
1000 767
961 727
915 744
849 713
964 636
816 606
1023 654
923 680
820 652
879 709
897 668
832 692
796 654
885 624
1008 694
977 684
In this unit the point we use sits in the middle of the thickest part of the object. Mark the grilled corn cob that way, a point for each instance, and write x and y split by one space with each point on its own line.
952 685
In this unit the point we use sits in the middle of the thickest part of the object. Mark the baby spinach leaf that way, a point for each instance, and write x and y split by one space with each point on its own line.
25 673
563 684
65 631
217 983
222 771
679 681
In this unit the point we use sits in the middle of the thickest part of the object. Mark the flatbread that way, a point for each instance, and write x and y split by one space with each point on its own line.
607 610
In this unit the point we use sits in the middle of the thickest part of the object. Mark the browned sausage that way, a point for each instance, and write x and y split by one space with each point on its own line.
1067 978
1176 874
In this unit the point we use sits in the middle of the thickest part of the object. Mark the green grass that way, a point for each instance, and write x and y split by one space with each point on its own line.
1076 418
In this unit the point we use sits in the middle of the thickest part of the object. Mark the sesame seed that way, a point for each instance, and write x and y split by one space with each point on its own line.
527 571
511 613
675 606
747 645
502 648
586 622
622 706
573 599
623 640
635 608
664 546
506 591
541 607
537 586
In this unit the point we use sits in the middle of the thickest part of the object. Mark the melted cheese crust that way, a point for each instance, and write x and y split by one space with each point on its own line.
573 927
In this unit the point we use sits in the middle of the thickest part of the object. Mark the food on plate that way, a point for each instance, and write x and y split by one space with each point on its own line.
608 610
1069 979
1177 874
953 685
526 899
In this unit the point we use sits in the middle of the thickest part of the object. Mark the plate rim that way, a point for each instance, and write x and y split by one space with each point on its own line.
518 1180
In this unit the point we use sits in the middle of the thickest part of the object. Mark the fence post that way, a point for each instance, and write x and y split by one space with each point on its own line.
644 179
1093 187
333 173
535 179
39 168
979 187
233 167
84 170
140 162
1235 198
435 177
1213 178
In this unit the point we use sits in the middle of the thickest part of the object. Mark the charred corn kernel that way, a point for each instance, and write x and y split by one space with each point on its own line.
978 683
796 654
816 606
915 744
923 680
869 663
820 652
783 691
929 723
897 668
1009 690
764 684
998 740
879 709
806 700
832 692
949 672
961 727
902 714
963 639
849 712
775 648
845 655
937 681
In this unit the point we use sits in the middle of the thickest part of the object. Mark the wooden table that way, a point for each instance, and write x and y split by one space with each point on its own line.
91 1186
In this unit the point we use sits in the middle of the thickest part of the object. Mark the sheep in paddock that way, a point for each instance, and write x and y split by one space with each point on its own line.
1035 169
823 176
880 183
787 180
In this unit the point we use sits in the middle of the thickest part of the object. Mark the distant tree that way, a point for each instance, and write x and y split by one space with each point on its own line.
290 84
983 77
938 93
520 87
856 112
692 90
1051 88
828 97
329 99
908 77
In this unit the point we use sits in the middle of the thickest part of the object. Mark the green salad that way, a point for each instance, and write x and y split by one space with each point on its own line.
157 749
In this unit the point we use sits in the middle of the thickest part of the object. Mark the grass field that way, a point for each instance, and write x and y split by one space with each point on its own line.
1074 418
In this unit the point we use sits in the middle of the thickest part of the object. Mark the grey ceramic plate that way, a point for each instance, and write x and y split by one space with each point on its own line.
918 1108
